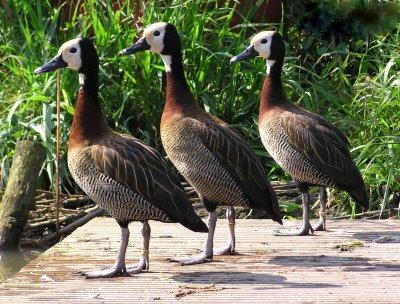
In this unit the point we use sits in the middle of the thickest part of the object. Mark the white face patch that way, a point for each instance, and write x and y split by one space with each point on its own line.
71 54
154 35
262 43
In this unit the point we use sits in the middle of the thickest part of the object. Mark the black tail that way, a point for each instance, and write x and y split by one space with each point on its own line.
357 190
275 211
184 213
360 196
269 203
196 226
275 217
191 220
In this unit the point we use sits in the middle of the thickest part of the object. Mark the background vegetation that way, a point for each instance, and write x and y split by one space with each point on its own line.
352 79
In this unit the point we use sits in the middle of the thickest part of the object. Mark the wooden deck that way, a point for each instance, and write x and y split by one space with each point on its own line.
267 269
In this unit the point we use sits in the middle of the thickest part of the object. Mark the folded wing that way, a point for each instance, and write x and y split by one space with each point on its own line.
236 156
140 168
326 148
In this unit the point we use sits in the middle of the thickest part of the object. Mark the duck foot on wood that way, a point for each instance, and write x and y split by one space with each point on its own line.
143 265
321 226
323 198
305 230
118 270
227 250
206 254
230 248
200 258
110 272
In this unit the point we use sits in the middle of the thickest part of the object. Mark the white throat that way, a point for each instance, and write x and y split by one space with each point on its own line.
82 79
167 62
270 63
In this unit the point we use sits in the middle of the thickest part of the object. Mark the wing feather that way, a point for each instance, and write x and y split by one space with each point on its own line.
130 162
237 157
324 145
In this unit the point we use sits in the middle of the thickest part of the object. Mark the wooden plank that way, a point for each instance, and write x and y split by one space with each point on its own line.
267 268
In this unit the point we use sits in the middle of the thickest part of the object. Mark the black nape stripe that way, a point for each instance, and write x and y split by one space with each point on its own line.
90 64
172 42
277 47
278 55
172 47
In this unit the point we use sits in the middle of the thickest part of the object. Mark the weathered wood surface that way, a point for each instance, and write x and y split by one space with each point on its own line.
267 269
18 198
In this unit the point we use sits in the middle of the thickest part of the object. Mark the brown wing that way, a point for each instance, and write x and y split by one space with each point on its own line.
140 168
236 156
325 147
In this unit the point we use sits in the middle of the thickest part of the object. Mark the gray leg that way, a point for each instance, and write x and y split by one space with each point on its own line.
143 264
306 229
323 198
207 254
230 248
119 266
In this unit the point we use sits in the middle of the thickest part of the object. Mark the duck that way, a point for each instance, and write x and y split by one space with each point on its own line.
123 175
210 155
306 146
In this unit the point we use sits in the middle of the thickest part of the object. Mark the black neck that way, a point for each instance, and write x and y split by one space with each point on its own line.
177 73
89 82
275 76
272 92
178 94
89 86
89 121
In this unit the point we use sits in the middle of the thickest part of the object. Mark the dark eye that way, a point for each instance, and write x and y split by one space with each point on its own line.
72 50
156 33
264 41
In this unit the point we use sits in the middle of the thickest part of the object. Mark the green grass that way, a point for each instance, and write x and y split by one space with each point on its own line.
354 86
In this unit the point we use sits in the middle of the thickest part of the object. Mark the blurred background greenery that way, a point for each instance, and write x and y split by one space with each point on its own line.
342 62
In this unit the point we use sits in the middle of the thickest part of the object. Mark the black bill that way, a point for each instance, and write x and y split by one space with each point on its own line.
248 53
140 45
54 64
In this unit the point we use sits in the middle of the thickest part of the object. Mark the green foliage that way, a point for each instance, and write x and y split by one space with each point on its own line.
343 19
355 86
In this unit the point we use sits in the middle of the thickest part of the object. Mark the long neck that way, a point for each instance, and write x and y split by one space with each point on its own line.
272 92
178 94
89 122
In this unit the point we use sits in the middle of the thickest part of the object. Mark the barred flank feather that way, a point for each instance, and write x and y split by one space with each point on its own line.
131 181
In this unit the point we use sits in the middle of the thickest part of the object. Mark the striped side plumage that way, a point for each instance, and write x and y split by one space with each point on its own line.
217 162
131 181
311 150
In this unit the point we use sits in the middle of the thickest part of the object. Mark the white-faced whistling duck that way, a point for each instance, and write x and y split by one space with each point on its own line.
212 157
311 150
125 177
